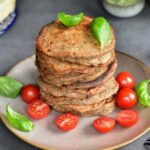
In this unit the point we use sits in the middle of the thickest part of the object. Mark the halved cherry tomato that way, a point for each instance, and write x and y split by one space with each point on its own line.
38 109
66 121
126 98
104 124
29 93
127 118
125 80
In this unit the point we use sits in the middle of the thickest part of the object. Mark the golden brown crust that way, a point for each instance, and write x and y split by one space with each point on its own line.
61 42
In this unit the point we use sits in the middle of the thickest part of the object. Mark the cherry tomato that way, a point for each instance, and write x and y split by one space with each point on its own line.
127 118
126 98
37 109
66 121
125 79
104 124
29 93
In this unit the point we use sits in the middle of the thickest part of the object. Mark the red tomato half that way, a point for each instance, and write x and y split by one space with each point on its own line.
66 121
125 80
104 124
29 93
38 109
126 98
127 118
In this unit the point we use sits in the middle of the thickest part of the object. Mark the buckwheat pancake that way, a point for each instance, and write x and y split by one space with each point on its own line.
59 81
73 44
86 101
75 93
100 80
73 73
60 68
104 76
95 61
104 107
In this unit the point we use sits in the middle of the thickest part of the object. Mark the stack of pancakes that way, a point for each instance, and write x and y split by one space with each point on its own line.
76 73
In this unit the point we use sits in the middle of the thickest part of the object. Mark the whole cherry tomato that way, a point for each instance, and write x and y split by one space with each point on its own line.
29 93
126 98
125 80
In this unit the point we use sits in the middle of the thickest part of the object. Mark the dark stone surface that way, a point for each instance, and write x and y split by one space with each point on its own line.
132 35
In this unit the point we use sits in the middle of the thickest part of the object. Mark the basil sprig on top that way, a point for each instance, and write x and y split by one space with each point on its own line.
70 20
18 120
9 87
100 29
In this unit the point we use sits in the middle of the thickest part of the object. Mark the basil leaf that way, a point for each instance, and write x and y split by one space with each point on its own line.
9 87
142 93
100 29
70 20
18 121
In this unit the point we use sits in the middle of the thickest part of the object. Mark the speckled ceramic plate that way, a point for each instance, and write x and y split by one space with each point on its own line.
47 136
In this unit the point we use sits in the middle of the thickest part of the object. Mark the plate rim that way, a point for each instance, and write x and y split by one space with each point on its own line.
11 129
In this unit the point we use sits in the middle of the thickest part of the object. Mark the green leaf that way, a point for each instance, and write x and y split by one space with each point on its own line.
70 20
142 93
100 29
18 120
9 87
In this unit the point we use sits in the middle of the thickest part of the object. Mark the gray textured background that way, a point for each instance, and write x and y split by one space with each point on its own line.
132 35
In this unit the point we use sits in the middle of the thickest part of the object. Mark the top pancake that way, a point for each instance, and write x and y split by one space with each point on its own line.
72 43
